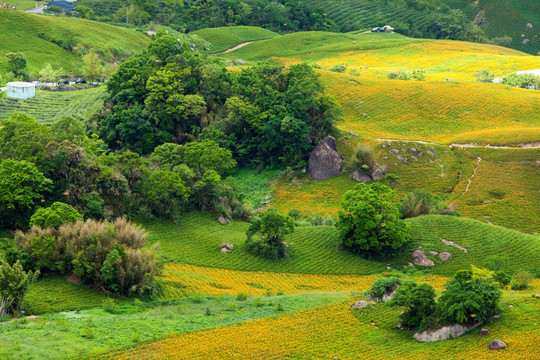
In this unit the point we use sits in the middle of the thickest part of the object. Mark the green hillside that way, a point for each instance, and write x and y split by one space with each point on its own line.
62 40
223 38
48 106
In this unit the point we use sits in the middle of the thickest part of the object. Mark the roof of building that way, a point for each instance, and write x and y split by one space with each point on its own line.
20 84
62 4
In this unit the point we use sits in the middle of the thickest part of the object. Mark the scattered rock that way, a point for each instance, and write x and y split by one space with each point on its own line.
445 255
496 345
360 304
365 115
394 152
433 252
403 151
510 306
388 143
353 134
227 245
385 156
377 174
430 153
239 61
387 296
388 268
451 243
411 264
420 154
483 332
399 326
223 220
261 209
537 295
325 160
403 159
421 259
444 333
224 250
361 177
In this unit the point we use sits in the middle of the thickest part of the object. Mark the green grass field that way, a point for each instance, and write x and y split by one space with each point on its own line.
223 38
33 35
47 106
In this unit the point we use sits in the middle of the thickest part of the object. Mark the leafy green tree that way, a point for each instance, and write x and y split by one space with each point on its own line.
85 12
421 312
23 138
69 128
21 185
48 74
55 215
271 228
14 282
369 220
92 66
165 193
471 295
17 63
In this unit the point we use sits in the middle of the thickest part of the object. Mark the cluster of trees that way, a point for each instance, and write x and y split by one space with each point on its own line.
190 15
470 296
265 114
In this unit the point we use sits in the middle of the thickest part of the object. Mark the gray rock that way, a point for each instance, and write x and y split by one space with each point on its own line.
421 259
444 333
239 61
430 153
403 151
483 332
360 304
387 296
353 134
325 161
388 143
261 209
445 255
385 156
420 154
413 151
223 220
451 243
227 245
224 250
267 197
496 345
433 252
537 295
403 159
377 174
361 177
394 152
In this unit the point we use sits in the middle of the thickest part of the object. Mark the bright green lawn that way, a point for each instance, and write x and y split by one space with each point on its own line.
223 38
72 334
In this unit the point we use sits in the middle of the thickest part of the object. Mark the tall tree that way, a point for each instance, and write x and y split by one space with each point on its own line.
17 63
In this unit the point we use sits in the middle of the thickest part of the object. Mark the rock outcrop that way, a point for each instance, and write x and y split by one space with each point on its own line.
445 255
496 345
360 304
444 333
421 259
325 161
483 332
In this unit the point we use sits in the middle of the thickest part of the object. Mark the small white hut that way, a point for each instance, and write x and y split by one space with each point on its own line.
21 90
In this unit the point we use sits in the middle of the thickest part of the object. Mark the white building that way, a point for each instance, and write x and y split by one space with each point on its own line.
21 90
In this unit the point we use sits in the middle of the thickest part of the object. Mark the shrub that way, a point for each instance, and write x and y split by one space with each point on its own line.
369 220
55 215
418 74
393 75
503 278
13 284
270 229
520 281
112 255
404 76
484 76
338 68
363 159
241 296
382 286
527 81
295 214
421 310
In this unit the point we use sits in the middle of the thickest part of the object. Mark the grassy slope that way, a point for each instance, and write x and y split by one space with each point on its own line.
69 335
223 38
20 33
315 250
47 106
335 332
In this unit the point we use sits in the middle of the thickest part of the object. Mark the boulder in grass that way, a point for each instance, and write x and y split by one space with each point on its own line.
224 250
227 245
353 134
325 161
483 332
223 220
361 177
421 259
445 255
360 304
496 345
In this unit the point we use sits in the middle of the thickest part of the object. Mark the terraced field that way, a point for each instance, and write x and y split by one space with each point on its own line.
48 106
223 38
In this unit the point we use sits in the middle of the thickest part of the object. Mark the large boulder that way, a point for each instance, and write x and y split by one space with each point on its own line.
361 177
325 161
360 304
444 333
496 345
445 255
421 259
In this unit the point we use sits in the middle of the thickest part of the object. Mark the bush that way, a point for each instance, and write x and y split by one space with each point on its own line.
241 296
369 220
112 255
295 214
418 74
503 278
270 229
527 81
484 76
382 286
55 215
520 281
338 68
363 159
13 284
421 312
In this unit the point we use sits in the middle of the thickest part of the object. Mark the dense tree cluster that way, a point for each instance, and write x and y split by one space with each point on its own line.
264 114
190 15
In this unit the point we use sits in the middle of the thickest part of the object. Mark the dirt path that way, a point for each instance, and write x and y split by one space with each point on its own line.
533 145
471 178
237 47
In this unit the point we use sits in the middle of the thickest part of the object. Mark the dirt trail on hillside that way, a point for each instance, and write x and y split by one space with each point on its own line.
471 178
533 145
237 47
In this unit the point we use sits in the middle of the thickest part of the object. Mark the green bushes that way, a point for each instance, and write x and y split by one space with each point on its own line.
13 284
382 286
526 81
363 159
111 255
520 281
484 76
417 74
340 68
369 220
55 215
420 202
270 228
421 312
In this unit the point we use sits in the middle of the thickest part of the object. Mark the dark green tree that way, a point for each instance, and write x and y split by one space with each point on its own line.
421 310
270 228
369 220
16 63
55 215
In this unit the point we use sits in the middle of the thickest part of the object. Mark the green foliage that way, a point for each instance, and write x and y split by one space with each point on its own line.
112 255
421 306
271 228
484 75
418 74
369 221
14 282
420 202
338 68
241 296
527 81
503 278
21 185
383 286
471 295
165 192
363 159
17 63
520 281
55 215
